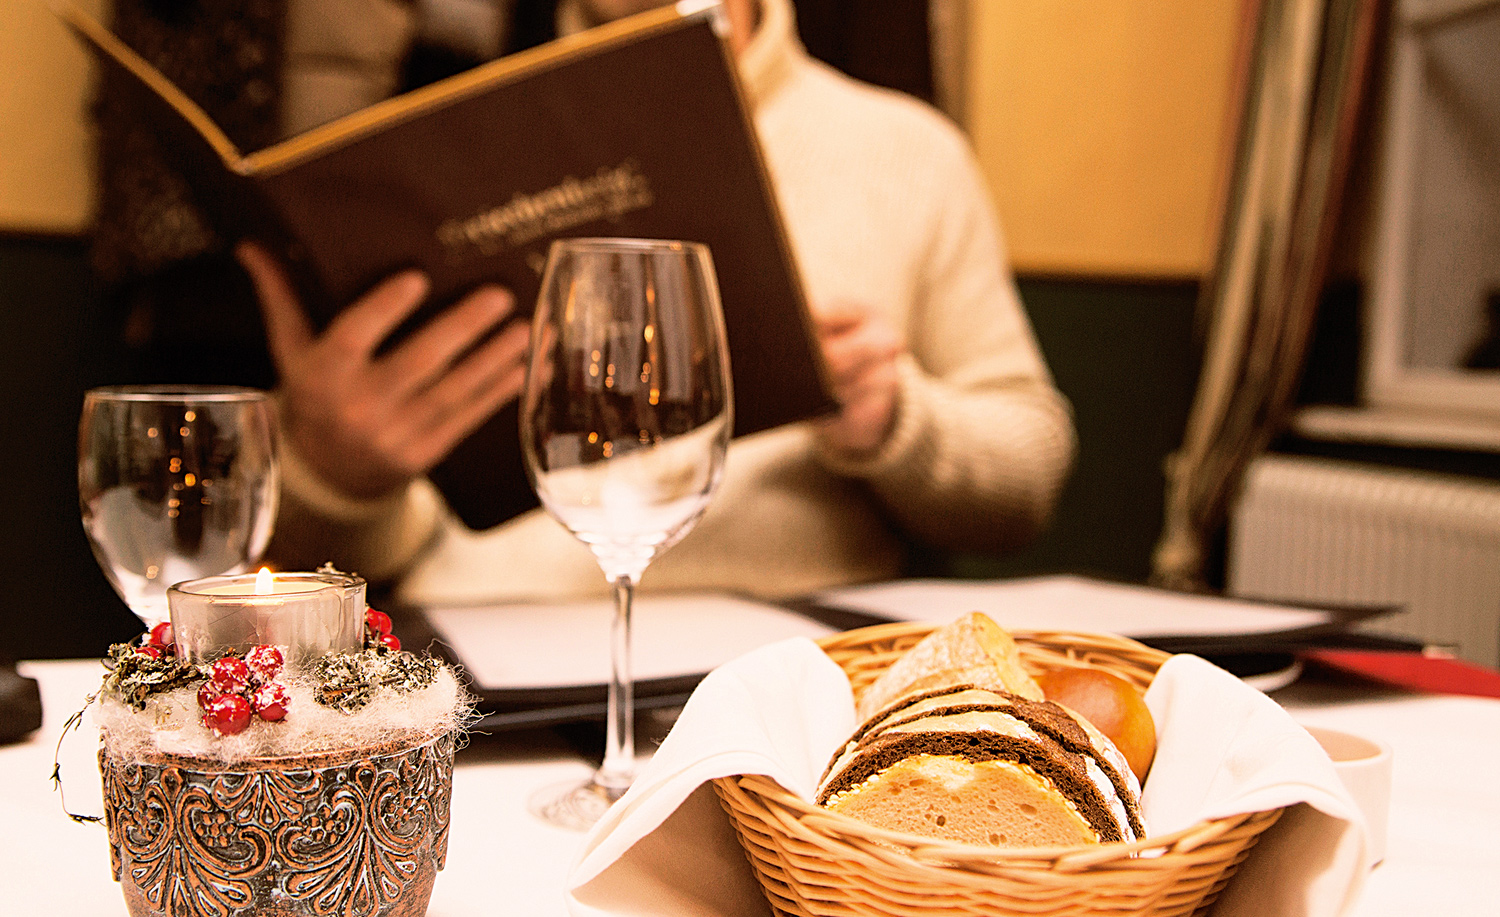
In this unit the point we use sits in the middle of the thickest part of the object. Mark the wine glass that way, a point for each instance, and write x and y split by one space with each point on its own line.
175 483
625 421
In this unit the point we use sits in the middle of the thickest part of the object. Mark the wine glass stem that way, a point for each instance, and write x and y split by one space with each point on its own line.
618 768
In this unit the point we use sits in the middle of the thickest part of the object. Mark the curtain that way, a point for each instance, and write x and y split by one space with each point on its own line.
1299 98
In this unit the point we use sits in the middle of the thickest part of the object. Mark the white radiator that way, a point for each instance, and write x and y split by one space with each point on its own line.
1314 530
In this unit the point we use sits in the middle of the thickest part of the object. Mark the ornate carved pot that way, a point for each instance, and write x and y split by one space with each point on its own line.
356 832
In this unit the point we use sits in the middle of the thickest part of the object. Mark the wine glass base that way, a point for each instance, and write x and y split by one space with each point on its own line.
575 806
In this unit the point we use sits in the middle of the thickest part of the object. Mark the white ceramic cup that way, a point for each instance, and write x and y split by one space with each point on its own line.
1365 767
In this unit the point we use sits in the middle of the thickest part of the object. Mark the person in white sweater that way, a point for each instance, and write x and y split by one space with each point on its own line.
950 430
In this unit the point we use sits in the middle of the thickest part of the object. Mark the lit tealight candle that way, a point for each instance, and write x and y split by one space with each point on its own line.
307 614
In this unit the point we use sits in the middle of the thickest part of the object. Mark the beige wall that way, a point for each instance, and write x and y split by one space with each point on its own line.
1099 126
45 173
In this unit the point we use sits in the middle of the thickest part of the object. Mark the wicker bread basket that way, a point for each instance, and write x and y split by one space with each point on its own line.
815 863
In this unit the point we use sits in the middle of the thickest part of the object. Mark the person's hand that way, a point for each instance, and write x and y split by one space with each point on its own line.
860 348
370 423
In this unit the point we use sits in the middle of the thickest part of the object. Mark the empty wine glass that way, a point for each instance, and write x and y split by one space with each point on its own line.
175 483
625 420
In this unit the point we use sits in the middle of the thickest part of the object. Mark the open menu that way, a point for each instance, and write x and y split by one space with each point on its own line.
635 128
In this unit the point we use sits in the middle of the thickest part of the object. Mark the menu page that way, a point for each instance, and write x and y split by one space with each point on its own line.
1074 603
506 647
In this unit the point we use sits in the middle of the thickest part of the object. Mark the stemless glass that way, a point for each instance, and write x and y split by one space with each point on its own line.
175 483
625 420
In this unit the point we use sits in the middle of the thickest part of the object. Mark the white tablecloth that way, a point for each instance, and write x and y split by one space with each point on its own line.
1442 856
1443 852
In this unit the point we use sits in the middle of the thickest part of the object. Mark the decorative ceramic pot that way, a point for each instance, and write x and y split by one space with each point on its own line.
355 832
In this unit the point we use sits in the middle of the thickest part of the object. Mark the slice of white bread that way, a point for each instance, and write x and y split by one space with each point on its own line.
970 650
989 803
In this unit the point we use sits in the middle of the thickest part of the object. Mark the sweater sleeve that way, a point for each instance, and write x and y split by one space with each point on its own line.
982 442
378 539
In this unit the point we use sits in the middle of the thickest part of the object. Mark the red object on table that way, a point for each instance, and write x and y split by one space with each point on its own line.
1413 671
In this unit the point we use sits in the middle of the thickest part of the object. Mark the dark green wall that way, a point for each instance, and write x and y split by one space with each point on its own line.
1124 354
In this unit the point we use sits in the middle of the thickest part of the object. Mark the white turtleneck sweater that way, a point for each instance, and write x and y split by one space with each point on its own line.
884 205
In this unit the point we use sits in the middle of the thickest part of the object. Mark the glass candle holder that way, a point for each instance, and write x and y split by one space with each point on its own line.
306 614
351 623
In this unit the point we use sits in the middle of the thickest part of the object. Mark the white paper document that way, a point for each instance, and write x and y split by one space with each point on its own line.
560 645
1073 603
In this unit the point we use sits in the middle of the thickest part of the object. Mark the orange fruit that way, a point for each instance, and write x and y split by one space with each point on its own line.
1113 705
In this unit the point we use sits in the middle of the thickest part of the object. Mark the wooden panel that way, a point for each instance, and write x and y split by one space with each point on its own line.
46 173
1100 128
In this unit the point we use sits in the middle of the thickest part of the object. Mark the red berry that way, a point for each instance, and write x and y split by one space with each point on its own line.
161 635
149 649
378 621
231 675
390 641
270 701
207 694
264 661
227 714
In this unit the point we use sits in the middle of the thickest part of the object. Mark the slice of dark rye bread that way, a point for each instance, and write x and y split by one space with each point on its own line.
1046 717
977 724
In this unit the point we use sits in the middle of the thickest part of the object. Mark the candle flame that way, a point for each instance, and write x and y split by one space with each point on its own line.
263 585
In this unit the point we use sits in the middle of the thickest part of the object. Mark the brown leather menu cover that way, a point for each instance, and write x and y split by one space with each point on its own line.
637 128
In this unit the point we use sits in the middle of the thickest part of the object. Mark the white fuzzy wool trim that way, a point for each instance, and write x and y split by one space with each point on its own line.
172 724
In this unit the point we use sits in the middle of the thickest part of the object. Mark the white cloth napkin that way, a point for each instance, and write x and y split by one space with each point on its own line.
668 848
1224 748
